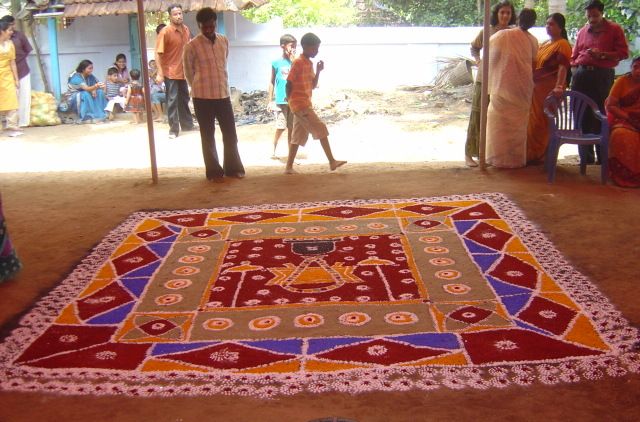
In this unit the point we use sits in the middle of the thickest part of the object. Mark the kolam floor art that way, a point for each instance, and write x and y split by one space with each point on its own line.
352 296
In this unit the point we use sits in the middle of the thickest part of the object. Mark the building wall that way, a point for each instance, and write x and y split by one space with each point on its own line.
363 58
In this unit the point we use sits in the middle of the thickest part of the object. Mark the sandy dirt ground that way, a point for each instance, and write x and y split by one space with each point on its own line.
64 188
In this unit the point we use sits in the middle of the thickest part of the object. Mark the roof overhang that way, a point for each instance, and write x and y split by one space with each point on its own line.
79 8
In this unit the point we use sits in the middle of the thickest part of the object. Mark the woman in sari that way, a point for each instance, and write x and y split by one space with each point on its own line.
86 94
512 57
549 77
9 81
502 16
9 263
623 112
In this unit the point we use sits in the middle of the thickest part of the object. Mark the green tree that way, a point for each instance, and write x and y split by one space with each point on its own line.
300 13
449 13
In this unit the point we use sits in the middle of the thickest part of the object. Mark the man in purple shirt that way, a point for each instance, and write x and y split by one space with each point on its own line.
23 48
599 47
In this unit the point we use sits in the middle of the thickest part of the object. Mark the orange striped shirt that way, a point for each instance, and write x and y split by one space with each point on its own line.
205 67
301 77
169 45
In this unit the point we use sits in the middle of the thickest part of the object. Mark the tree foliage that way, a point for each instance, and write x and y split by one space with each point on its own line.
300 13
449 13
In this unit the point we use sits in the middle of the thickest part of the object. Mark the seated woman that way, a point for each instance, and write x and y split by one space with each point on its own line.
549 77
86 94
623 113
123 73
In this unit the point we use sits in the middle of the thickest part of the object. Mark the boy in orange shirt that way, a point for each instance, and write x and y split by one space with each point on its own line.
300 84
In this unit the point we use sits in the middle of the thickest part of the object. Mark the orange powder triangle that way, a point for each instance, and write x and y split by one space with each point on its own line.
165 366
124 248
439 318
68 316
501 224
562 299
404 213
148 225
323 366
516 245
583 332
133 239
95 286
548 285
281 367
381 214
106 272
456 359
126 327
457 204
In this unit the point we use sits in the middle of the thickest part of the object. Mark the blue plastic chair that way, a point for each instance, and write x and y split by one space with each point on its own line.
565 115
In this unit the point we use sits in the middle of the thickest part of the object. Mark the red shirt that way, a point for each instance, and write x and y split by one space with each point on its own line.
608 38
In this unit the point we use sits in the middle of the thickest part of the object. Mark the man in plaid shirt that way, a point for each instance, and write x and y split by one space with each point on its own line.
205 67
300 84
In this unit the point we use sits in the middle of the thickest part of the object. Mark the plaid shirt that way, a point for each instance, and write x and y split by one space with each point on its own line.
301 77
205 67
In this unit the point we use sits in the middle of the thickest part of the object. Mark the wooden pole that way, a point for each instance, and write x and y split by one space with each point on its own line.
147 91
484 104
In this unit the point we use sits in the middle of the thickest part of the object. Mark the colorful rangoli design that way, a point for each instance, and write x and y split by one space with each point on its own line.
350 296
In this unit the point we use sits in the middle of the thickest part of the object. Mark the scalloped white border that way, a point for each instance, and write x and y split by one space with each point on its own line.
609 322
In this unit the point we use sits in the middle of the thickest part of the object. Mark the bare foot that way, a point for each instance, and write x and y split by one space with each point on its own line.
469 161
336 163
290 171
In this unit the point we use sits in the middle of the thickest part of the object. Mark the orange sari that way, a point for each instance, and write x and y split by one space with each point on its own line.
624 140
551 55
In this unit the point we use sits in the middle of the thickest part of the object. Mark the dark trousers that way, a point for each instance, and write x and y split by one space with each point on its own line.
207 112
178 105
596 84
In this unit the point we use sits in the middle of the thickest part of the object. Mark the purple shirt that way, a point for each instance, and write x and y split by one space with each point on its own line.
23 48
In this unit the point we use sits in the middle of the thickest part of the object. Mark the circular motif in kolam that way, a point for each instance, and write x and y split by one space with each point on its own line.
436 249
354 318
178 283
448 274
217 324
441 262
430 239
401 318
315 229
284 230
308 321
186 270
170 299
190 259
347 227
264 323
199 248
377 226
251 231
456 289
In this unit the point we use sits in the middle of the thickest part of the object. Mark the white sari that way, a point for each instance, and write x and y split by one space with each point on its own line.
511 56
